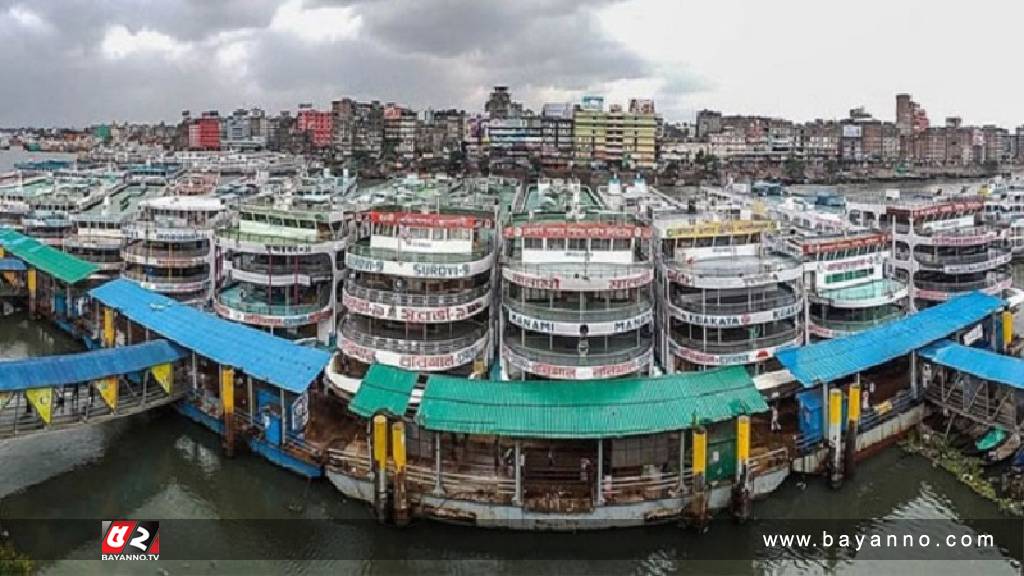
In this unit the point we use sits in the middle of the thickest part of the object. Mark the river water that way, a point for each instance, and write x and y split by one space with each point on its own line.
162 466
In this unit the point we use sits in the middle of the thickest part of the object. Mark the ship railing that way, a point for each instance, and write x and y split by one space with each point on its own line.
539 353
411 256
656 486
305 269
879 413
777 263
769 461
941 260
855 325
406 299
493 488
966 286
233 299
579 269
141 277
361 334
739 345
695 304
616 312
145 251
274 240
294 442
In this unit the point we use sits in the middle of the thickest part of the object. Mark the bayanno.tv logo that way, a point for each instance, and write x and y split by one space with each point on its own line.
130 540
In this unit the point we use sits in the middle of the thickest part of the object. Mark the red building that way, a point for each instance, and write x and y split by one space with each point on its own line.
204 132
320 125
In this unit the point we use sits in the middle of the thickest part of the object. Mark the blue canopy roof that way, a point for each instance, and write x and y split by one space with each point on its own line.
48 371
984 364
11 265
261 355
834 359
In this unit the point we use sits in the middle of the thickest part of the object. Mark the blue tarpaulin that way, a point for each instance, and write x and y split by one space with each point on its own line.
984 364
11 265
834 359
261 355
49 371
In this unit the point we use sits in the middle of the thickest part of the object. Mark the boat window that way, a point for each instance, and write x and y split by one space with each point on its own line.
578 244
600 244
556 244
438 233
620 244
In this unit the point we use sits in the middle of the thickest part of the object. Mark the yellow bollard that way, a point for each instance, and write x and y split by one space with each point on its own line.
227 402
853 404
1007 329
742 440
835 427
401 504
700 451
398 445
380 466
108 327
380 441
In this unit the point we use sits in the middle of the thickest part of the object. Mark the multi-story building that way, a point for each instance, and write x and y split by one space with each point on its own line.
556 152
419 286
170 247
204 132
281 266
400 126
514 142
940 248
318 124
576 290
614 137
727 295
500 105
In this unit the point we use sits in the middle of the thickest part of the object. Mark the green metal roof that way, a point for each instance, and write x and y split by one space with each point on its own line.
60 265
588 408
384 388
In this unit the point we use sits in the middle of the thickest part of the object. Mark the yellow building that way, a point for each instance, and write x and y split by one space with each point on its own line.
615 136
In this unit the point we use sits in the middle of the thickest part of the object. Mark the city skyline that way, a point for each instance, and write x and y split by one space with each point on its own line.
144 62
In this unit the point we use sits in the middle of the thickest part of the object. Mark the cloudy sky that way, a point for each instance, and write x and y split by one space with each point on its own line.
73 62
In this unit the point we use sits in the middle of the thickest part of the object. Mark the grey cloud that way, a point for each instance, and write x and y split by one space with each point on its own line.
420 53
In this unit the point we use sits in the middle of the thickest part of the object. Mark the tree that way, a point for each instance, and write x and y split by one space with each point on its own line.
794 169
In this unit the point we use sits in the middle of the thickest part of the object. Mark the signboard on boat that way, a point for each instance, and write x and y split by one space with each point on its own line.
424 363
563 372
729 320
723 228
570 328
978 266
417 314
432 220
607 230
418 269
708 359
554 280
270 321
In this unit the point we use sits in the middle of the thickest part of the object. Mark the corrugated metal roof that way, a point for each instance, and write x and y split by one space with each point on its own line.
259 354
48 371
60 265
11 265
984 364
834 359
588 408
383 388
